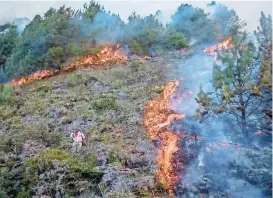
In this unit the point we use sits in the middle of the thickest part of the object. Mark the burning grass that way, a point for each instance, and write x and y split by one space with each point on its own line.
157 120
107 54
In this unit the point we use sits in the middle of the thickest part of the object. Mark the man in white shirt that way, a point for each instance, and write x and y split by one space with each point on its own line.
77 140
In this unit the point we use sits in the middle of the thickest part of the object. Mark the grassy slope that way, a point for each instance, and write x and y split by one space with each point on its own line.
105 104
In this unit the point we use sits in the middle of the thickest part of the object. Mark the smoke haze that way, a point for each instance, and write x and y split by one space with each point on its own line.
247 10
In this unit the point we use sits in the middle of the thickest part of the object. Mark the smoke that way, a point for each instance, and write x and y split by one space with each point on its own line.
21 23
193 22
106 28
216 170
224 18
161 17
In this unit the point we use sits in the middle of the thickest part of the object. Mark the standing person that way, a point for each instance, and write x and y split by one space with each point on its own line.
78 137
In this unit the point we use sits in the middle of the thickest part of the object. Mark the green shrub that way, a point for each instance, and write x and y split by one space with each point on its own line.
176 40
106 138
135 48
7 111
74 79
106 101
6 93
79 174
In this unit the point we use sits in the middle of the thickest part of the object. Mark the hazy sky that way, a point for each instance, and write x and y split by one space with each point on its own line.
247 10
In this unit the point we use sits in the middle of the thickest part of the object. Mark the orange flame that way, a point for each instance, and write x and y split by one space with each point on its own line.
107 54
35 76
157 120
226 44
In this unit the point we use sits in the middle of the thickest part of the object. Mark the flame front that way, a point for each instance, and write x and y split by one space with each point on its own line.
107 54
226 44
157 120
35 76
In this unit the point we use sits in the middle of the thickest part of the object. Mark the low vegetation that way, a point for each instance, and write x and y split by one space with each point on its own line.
36 123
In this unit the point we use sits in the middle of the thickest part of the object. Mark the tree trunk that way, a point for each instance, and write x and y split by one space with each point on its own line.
244 127
243 120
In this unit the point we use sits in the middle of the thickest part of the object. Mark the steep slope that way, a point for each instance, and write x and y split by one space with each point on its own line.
107 105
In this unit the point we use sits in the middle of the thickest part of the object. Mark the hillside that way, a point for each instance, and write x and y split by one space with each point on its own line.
182 109
107 105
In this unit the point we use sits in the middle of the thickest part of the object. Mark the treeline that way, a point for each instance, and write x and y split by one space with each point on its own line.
61 35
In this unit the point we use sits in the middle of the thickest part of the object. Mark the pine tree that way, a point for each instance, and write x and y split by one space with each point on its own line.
237 92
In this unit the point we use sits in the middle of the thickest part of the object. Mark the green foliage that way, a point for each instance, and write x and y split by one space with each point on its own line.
40 35
236 91
176 40
6 93
264 37
73 79
143 33
7 44
106 138
63 35
104 102
28 175
192 22
91 10
57 56
22 132
135 48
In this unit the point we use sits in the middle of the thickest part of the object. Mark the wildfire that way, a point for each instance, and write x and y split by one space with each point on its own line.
157 120
107 54
35 76
225 44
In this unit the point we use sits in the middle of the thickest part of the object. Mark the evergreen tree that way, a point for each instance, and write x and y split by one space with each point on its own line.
237 92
